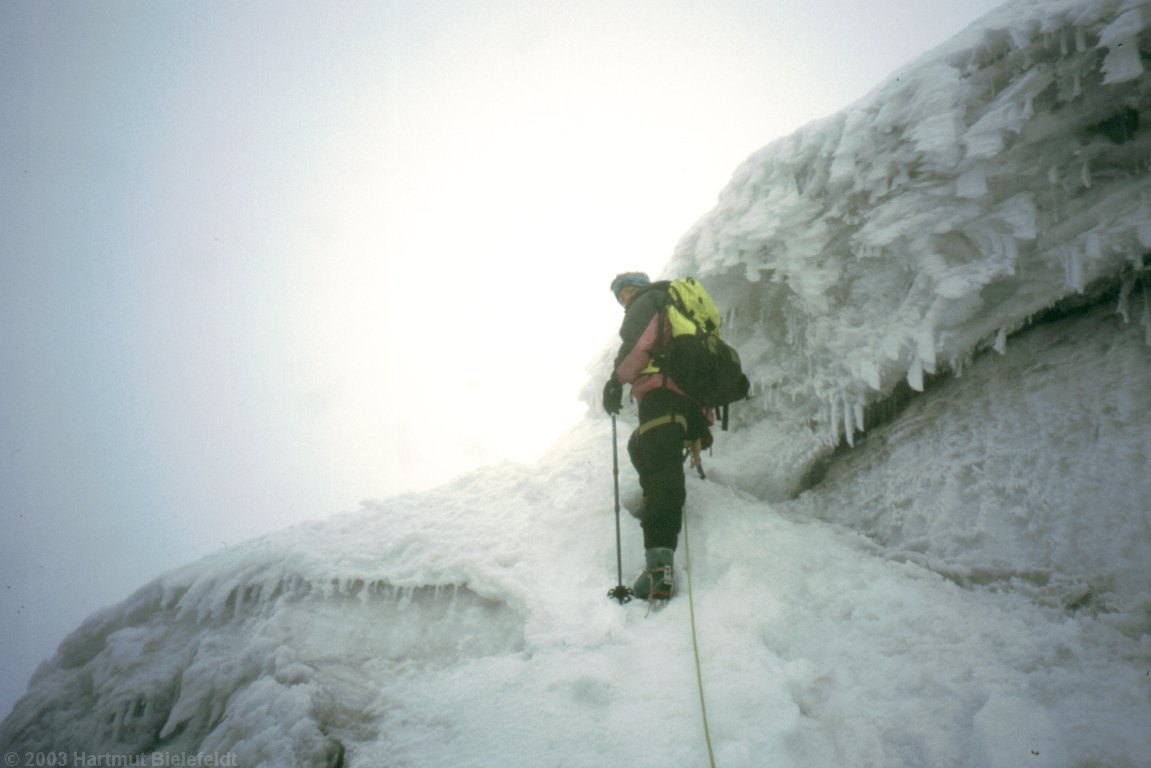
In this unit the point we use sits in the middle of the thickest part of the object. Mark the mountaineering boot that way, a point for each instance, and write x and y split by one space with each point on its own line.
657 582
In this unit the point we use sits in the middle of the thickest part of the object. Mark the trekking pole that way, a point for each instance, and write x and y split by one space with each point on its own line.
618 592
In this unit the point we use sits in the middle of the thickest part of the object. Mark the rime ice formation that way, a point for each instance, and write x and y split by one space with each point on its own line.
962 583
972 190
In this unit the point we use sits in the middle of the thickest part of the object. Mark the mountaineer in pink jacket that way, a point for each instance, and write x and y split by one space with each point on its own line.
669 423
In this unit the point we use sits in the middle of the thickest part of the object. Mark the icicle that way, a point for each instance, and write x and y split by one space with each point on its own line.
1094 246
1124 297
848 431
834 420
926 349
1073 268
915 375
1010 252
1001 341
1085 174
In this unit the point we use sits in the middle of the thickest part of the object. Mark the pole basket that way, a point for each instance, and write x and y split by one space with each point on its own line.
620 593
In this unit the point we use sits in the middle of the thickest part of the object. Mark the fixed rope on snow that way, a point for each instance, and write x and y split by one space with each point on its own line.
695 641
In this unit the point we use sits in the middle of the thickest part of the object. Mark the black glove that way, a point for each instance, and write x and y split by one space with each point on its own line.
706 439
613 396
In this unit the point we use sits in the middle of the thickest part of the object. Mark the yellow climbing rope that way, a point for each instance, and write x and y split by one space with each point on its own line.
695 640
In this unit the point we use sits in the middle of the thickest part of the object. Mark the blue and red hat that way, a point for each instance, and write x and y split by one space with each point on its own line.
637 279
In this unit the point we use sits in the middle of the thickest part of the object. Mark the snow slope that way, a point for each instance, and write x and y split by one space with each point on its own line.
469 626
962 584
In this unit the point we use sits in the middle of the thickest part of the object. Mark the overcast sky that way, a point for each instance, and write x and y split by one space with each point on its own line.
260 260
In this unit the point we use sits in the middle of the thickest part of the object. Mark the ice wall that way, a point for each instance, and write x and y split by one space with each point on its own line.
980 185
1028 474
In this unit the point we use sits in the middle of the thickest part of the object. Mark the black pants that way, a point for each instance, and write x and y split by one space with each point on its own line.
667 422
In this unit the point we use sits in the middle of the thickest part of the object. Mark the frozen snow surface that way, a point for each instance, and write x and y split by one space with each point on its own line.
924 542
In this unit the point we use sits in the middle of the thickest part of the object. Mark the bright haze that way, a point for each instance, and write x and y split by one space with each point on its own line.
262 260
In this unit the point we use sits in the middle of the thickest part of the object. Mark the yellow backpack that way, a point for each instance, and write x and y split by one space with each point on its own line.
695 357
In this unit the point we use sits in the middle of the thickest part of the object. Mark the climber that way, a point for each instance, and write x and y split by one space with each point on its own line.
669 421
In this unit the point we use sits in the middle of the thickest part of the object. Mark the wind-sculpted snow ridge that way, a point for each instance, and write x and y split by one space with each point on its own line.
980 185
239 653
277 651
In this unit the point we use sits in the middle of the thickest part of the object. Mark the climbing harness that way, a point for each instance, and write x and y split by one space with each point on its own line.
659 421
695 641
